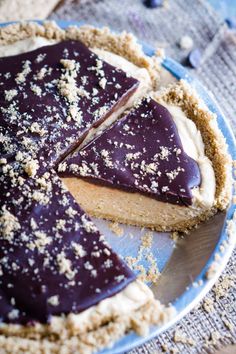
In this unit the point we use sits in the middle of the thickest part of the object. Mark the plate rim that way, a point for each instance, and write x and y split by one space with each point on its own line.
193 295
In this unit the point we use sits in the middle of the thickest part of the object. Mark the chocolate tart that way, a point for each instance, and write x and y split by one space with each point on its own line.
62 288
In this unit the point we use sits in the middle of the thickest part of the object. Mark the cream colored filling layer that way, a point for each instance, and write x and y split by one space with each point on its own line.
193 146
131 208
24 46
140 74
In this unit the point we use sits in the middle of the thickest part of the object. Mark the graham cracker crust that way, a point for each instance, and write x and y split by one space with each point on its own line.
216 149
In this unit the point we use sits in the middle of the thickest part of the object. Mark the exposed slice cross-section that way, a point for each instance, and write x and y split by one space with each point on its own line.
141 170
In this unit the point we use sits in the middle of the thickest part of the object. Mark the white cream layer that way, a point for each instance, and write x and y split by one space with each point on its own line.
24 46
194 147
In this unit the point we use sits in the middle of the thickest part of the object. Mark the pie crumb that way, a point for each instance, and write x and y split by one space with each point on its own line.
179 337
116 229
53 300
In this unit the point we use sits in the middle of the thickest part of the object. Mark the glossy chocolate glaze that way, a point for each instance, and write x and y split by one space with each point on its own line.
44 226
30 94
141 152
52 259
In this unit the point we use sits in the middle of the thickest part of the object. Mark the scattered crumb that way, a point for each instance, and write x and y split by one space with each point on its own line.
64 265
147 239
31 167
223 286
160 52
13 314
36 90
212 270
145 254
164 347
208 305
179 337
78 250
116 229
3 161
35 128
175 236
214 337
174 351
10 94
198 283
8 224
102 83
229 325
53 300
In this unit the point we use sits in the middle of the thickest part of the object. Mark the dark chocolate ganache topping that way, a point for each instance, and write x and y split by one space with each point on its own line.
50 97
53 260
141 152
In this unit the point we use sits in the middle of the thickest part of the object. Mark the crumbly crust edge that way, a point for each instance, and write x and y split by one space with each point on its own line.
63 340
216 149
123 44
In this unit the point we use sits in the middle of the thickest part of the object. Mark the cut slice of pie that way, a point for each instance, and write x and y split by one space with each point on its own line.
164 165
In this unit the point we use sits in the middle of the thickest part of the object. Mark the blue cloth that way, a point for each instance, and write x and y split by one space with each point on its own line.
226 8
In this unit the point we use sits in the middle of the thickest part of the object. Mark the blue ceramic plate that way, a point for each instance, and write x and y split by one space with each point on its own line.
163 246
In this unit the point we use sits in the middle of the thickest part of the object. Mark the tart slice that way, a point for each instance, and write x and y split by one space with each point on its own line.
164 165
